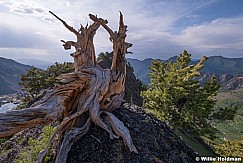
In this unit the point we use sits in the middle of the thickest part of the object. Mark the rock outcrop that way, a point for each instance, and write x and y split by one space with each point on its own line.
154 140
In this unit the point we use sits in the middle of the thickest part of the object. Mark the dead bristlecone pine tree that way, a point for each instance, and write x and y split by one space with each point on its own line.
88 95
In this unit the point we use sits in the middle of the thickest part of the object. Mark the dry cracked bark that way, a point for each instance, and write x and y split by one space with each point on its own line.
85 96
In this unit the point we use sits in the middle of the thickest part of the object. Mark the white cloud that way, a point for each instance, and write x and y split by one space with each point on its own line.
152 26
224 34
27 7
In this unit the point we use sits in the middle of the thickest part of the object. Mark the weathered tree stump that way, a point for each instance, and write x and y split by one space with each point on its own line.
85 96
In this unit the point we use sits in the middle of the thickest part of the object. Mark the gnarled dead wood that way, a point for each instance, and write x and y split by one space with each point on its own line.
82 97
84 46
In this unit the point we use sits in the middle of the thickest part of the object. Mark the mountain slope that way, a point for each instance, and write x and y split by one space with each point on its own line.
10 72
141 68
222 65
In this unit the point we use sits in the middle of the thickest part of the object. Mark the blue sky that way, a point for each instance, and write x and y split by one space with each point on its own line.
157 28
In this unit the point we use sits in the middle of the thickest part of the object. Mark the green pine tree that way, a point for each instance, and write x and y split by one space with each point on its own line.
175 96
36 80
32 81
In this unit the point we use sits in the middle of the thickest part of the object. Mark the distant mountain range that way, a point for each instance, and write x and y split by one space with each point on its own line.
10 71
36 63
228 71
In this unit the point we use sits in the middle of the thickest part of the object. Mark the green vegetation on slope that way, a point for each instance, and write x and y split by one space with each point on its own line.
35 147
199 147
231 148
229 129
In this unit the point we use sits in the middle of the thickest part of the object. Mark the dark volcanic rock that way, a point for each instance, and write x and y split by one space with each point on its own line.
154 141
